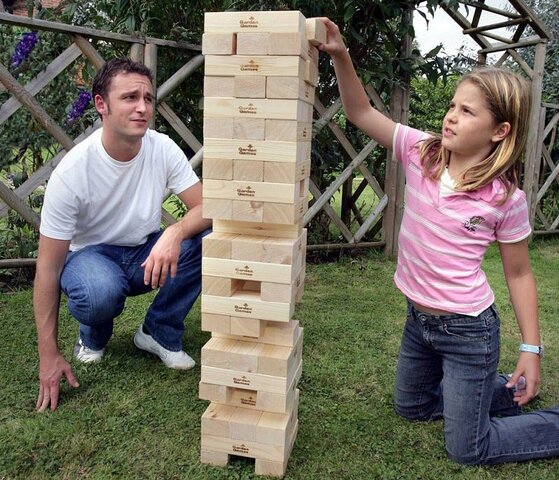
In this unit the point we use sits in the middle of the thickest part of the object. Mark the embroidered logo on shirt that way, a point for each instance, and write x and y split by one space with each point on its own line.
473 222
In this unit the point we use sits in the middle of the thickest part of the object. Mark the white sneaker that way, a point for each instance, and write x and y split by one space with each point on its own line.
85 354
178 360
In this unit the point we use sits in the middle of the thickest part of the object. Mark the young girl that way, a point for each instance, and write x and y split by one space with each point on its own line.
461 195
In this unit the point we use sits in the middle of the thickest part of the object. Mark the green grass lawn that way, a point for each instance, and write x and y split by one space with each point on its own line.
132 418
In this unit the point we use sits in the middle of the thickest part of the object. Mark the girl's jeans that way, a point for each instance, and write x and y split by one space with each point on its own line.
448 369
97 279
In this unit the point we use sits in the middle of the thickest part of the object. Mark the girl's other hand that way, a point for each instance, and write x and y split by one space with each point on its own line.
334 44
528 365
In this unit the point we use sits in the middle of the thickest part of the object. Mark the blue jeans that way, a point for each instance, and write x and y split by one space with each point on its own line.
97 279
447 369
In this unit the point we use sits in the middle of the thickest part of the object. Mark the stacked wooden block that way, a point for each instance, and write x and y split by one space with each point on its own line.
261 71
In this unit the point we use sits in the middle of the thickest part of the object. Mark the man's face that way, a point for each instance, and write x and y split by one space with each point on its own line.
128 108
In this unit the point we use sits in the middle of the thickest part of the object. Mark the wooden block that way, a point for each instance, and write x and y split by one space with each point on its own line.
248 211
219 86
219 459
313 54
250 87
290 87
248 170
247 380
218 127
216 420
258 229
218 44
290 43
277 468
253 43
217 168
242 448
288 131
247 247
281 172
247 305
221 286
277 360
315 30
276 292
284 213
273 333
254 21
266 151
216 323
272 428
251 191
245 327
231 354
241 65
244 269
249 128
311 72
258 108
217 208
218 245
244 423
285 251
258 400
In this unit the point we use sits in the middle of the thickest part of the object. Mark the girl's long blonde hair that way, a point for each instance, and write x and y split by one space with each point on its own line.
508 99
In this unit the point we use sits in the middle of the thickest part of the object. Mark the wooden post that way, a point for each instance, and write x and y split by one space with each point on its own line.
535 133
137 52
89 51
13 201
395 178
150 60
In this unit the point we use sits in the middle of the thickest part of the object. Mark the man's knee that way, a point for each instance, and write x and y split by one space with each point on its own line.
94 304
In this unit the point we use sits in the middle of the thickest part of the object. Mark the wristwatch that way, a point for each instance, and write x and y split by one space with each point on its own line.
537 349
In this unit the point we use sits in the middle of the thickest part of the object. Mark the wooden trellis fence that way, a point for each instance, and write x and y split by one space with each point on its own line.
390 203
549 175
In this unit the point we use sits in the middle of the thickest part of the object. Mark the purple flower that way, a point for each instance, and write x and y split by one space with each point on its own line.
24 48
79 106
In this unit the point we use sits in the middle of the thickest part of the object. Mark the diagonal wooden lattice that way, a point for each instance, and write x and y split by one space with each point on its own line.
143 49
497 31
550 169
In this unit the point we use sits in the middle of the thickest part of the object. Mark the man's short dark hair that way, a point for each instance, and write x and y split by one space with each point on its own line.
113 67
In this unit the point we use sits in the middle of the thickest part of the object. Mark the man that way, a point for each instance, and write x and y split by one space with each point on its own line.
100 239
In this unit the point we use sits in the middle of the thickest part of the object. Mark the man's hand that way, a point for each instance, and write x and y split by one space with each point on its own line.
528 365
163 258
51 370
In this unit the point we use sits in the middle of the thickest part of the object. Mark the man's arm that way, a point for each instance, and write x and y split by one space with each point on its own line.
46 303
164 255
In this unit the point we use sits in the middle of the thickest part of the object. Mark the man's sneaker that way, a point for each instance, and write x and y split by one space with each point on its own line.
179 360
85 354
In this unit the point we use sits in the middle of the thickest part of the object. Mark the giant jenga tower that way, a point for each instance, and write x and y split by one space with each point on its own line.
261 72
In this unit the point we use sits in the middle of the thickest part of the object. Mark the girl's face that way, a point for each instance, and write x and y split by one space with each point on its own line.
469 129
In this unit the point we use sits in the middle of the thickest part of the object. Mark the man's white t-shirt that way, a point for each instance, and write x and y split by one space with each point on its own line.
94 199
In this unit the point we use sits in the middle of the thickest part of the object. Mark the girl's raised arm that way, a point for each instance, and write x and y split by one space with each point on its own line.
354 98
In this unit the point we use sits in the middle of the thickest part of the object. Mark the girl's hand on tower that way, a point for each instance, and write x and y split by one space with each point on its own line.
334 44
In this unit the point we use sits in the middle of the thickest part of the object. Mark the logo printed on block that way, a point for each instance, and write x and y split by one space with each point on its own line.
250 108
243 308
248 150
251 66
246 192
250 23
245 271
241 380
